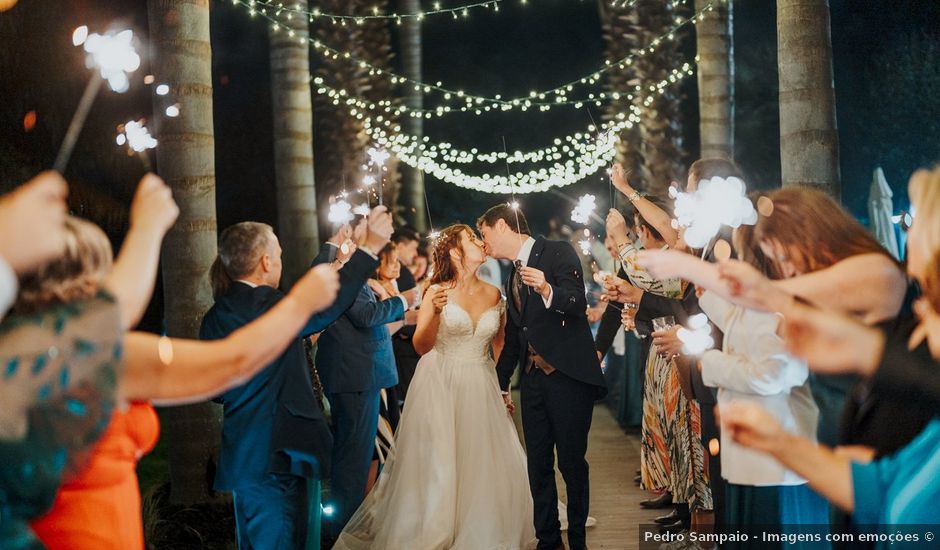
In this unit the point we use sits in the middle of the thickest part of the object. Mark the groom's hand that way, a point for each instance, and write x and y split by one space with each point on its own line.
536 279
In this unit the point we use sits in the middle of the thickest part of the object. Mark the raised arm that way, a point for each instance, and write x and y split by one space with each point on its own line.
177 371
134 274
366 313
869 286
654 215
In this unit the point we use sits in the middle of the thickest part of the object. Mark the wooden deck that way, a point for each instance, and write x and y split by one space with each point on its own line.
614 457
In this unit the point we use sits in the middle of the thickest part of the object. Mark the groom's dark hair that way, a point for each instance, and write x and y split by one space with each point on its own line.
513 217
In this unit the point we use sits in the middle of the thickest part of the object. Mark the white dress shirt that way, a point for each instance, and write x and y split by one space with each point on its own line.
9 286
754 366
523 257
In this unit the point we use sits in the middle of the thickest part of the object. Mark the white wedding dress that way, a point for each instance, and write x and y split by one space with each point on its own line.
456 477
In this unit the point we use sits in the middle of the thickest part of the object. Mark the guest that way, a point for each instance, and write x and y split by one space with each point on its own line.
421 264
106 486
671 421
355 361
406 242
274 435
753 367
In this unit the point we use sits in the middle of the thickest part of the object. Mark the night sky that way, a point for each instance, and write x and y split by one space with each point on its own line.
886 58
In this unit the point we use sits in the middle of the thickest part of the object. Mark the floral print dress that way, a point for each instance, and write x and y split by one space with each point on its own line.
672 457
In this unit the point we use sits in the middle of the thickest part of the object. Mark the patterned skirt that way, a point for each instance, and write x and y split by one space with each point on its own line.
672 457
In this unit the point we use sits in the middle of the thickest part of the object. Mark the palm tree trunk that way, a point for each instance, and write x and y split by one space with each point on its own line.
182 57
660 117
715 46
412 196
809 142
293 145
621 38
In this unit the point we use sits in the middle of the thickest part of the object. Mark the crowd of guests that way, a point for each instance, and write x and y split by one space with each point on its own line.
820 374
816 405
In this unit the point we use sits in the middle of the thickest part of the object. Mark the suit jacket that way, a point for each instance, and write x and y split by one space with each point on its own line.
355 353
559 333
272 423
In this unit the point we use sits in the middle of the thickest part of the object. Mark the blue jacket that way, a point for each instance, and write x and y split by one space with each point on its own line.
272 423
355 353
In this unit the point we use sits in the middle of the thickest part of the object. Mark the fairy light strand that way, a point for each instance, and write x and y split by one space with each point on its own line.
316 14
449 93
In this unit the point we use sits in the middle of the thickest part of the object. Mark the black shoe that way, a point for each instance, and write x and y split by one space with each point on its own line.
663 501
671 517
676 527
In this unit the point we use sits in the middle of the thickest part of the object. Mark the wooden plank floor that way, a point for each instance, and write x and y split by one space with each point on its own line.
614 457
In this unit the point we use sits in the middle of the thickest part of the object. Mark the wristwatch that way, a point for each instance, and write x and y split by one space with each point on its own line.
634 196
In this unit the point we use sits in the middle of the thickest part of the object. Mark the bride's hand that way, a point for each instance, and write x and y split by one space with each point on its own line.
510 406
439 300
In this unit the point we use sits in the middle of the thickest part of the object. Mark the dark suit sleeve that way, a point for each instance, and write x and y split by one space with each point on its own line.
351 278
509 358
568 295
327 254
607 330
366 313
903 372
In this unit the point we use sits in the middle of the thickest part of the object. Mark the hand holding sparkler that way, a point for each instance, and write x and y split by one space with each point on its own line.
617 228
318 288
153 209
619 178
32 222
618 290
749 288
379 229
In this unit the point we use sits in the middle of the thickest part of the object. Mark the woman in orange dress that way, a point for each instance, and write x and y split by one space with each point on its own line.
100 508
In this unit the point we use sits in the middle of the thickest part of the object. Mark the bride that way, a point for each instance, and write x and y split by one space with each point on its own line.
456 477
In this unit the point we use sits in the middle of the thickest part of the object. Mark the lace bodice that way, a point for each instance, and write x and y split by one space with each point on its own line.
457 337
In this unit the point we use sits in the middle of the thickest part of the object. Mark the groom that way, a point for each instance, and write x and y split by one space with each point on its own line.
547 330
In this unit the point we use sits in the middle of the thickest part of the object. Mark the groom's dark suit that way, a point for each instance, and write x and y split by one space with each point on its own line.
561 379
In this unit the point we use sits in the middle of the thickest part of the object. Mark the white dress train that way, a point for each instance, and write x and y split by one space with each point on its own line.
456 477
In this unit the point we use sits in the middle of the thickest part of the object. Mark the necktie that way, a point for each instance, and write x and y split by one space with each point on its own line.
517 285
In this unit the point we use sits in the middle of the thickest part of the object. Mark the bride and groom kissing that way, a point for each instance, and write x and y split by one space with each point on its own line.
457 477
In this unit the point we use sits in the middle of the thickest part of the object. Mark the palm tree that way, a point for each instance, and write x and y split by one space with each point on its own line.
293 143
410 46
809 142
660 119
621 37
179 33
715 47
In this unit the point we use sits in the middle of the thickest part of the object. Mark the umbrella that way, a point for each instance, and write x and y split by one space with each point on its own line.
880 210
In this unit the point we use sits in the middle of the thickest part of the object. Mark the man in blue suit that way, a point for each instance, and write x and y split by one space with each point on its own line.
274 436
355 361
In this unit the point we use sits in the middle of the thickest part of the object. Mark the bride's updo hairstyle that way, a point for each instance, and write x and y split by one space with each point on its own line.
444 269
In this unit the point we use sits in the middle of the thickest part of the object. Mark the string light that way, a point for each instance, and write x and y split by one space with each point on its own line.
560 91
574 157
317 14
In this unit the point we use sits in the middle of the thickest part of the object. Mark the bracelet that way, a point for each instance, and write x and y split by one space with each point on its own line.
634 196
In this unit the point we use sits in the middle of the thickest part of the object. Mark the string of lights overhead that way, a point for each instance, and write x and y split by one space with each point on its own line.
316 14
573 157
478 102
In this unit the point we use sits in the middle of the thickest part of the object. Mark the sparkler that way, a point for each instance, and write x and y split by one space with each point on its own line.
138 140
583 212
716 202
698 337
378 157
113 57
